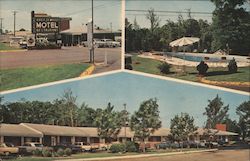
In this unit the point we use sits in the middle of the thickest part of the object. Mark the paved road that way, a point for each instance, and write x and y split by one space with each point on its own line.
221 155
60 56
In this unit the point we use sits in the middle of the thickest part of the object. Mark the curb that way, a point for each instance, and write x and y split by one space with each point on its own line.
239 84
10 51
88 71
138 156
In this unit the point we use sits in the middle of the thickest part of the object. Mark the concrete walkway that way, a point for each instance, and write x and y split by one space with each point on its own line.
181 62
138 156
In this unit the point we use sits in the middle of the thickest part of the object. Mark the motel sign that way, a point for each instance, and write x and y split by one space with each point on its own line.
46 25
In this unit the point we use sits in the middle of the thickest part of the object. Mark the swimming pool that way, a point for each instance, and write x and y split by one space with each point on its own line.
198 57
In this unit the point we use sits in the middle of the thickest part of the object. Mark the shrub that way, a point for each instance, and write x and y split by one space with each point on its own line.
60 152
164 68
68 151
54 154
129 67
131 146
202 68
37 152
46 153
116 148
232 66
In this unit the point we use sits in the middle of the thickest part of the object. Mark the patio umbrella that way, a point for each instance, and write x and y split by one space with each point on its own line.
184 41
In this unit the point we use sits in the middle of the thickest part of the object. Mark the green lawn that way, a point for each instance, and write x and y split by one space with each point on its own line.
99 155
218 74
22 77
6 47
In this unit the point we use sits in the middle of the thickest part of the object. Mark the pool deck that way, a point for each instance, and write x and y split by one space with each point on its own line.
181 62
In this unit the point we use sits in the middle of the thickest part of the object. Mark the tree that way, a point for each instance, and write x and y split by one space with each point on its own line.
108 122
153 18
136 25
230 27
182 126
232 125
86 116
243 110
215 111
146 120
69 106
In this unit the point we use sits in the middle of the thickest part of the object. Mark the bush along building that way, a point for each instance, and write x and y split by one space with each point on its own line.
50 135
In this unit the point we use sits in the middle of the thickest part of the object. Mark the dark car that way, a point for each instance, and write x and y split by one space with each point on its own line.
74 148
175 145
163 145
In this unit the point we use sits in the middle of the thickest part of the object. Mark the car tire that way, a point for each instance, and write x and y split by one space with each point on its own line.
6 153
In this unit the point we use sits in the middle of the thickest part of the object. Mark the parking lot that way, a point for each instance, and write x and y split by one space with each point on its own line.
66 55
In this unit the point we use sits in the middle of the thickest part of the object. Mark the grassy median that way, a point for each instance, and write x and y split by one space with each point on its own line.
147 65
23 77
6 47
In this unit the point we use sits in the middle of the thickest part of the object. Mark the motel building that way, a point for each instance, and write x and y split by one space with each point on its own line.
50 135
77 35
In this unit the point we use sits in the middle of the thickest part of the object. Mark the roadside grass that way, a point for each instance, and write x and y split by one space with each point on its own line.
100 155
23 77
148 65
6 47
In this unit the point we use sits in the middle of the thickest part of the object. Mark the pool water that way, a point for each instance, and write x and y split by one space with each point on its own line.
197 58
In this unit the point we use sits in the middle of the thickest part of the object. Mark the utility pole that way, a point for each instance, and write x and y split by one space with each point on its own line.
111 27
1 25
189 13
14 13
125 123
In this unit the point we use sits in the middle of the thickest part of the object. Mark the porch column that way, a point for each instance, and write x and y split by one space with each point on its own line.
40 140
124 139
58 140
88 140
162 139
102 140
73 140
22 140
1 139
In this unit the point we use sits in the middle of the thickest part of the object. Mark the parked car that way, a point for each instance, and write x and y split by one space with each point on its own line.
85 146
163 145
28 148
74 148
211 144
175 145
8 149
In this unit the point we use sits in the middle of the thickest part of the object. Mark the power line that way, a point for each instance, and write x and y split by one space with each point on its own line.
165 15
179 12
87 9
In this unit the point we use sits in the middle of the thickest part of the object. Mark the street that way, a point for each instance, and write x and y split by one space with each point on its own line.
221 155
66 55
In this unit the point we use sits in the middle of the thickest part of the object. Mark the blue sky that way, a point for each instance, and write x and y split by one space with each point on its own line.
170 5
120 88
106 12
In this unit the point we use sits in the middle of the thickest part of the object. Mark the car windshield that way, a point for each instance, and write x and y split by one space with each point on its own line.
38 145
9 145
